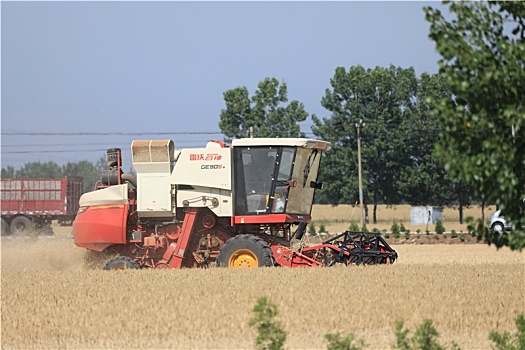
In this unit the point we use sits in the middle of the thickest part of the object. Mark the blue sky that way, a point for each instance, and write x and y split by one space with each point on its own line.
162 67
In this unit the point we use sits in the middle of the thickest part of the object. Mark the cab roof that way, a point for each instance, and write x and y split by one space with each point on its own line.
295 142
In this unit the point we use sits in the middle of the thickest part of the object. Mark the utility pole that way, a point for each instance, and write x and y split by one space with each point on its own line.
359 126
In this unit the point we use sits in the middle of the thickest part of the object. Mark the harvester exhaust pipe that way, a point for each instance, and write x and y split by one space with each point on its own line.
112 176
114 158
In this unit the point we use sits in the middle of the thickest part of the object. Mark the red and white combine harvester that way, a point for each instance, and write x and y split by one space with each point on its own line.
238 206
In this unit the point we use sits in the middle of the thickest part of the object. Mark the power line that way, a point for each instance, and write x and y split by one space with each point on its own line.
71 151
55 151
7 133
86 144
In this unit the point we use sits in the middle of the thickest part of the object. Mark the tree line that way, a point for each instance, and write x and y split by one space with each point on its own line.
91 172
398 134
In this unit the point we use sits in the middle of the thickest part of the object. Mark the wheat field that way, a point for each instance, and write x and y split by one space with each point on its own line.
49 300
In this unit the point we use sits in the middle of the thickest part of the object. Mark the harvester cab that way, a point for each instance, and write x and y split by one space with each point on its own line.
237 206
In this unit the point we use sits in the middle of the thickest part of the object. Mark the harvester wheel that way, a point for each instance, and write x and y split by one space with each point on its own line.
121 263
245 251
21 225
5 228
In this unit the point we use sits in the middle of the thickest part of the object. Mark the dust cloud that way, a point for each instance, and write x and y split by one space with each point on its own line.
41 253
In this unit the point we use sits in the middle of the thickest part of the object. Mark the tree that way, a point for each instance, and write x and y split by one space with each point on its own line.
483 143
49 169
8 172
375 97
397 137
84 168
422 180
266 112
89 171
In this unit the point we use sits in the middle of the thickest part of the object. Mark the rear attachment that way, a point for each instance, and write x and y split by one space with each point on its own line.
349 248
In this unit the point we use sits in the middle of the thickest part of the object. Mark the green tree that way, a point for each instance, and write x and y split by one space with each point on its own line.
86 169
375 97
483 59
266 112
48 169
7 172
422 180
397 138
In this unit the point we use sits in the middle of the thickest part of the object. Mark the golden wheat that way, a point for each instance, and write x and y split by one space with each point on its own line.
50 301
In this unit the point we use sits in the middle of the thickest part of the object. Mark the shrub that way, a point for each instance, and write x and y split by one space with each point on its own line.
439 227
427 232
407 234
395 229
353 226
424 338
311 229
364 228
387 235
402 227
462 239
418 231
376 230
271 335
336 342
506 341
453 234
322 229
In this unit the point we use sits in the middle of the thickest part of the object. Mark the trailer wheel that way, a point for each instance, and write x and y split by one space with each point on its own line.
121 263
21 225
5 228
245 251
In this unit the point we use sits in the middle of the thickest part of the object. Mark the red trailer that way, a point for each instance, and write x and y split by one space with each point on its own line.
34 203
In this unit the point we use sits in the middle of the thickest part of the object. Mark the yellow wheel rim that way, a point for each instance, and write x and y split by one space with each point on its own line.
243 258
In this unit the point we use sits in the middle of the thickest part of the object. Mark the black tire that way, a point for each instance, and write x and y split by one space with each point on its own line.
5 228
244 251
121 263
21 226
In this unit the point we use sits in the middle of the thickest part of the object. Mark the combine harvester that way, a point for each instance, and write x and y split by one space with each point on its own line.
237 206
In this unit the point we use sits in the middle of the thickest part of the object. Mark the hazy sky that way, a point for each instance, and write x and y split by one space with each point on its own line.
162 67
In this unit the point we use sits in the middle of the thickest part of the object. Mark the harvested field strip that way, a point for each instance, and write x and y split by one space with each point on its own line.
466 290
